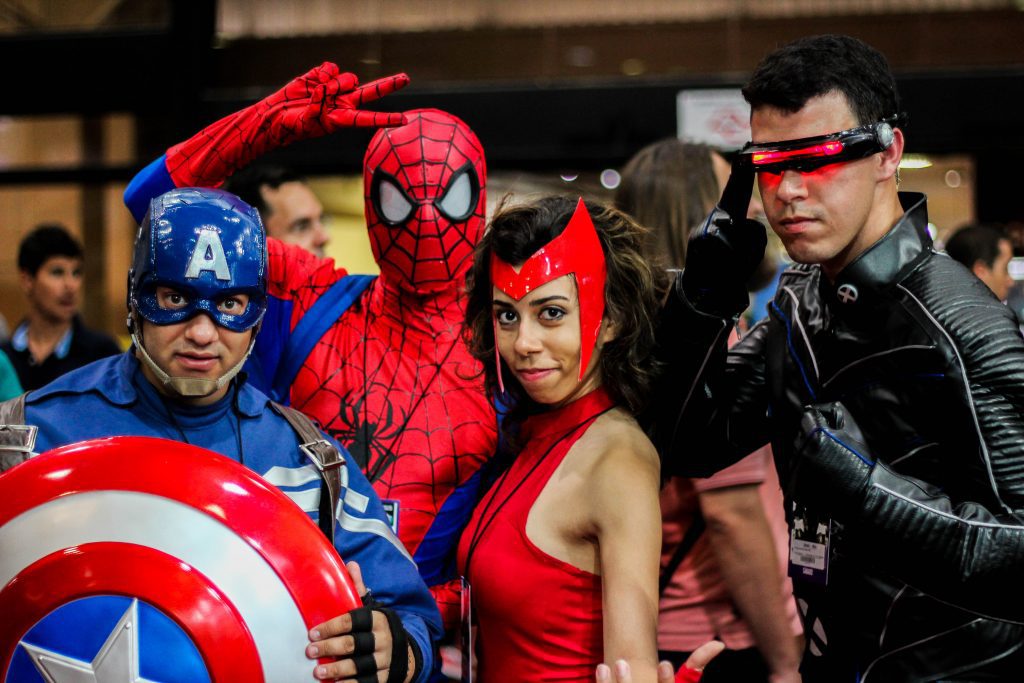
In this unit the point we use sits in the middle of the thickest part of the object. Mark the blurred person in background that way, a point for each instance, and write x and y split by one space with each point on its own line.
722 575
288 207
986 251
52 340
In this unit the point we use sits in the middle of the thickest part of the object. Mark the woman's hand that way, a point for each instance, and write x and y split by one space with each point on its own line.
690 671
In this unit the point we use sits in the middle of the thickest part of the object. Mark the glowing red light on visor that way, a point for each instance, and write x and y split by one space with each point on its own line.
826 149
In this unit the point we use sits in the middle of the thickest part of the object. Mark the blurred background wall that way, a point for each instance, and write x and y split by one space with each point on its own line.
560 93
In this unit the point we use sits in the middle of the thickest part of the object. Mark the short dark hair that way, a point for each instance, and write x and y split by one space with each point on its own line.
818 65
973 243
46 240
247 183
631 299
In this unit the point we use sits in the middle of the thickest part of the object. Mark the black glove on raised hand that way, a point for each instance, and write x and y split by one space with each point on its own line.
724 251
832 467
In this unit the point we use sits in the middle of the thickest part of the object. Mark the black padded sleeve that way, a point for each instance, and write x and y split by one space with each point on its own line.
708 398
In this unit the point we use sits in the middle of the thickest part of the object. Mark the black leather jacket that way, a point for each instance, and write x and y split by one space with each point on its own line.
927 553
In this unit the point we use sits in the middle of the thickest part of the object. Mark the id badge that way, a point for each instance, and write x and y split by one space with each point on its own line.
809 541
391 510
466 633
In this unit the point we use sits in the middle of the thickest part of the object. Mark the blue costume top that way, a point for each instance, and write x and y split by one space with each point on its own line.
111 397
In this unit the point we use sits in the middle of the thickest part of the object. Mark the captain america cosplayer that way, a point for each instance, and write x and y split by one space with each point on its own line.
196 296
379 362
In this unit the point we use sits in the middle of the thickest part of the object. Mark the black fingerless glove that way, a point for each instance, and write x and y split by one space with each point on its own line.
362 625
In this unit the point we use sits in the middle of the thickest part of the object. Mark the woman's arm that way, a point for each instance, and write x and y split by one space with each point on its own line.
623 504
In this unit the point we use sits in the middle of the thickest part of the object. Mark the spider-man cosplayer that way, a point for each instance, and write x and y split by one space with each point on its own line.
379 362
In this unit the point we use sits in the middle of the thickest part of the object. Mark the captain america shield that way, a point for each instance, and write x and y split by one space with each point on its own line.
141 559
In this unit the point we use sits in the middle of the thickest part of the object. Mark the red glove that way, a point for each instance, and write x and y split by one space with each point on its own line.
319 102
693 668
688 675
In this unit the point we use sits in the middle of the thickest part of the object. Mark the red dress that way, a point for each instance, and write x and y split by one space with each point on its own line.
538 618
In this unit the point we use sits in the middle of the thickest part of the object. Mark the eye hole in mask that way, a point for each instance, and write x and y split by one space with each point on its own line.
460 197
393 206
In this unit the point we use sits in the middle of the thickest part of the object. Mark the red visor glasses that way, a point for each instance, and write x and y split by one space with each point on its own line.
808 154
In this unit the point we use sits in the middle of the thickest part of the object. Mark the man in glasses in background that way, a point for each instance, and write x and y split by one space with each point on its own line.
888 379
289 209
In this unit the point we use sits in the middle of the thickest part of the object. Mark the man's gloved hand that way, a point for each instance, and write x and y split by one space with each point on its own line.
316 103
368 644
724 251
832 467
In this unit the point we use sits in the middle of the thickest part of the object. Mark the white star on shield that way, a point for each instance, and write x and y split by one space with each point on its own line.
116 662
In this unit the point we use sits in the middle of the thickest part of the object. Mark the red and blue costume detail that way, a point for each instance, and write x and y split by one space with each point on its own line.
388 375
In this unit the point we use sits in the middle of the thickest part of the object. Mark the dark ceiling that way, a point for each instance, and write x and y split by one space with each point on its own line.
961 76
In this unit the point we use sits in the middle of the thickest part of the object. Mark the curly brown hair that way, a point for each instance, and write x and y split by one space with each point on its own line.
631 301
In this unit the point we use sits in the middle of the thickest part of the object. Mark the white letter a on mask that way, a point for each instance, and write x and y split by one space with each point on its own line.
208 256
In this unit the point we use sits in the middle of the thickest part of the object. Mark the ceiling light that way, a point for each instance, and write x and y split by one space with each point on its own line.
915 161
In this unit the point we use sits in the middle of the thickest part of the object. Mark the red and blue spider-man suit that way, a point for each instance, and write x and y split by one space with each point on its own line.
390 378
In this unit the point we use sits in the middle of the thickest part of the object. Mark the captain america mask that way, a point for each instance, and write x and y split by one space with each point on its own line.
207 245
424 186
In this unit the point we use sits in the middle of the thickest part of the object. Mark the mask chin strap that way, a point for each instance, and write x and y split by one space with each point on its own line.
186 387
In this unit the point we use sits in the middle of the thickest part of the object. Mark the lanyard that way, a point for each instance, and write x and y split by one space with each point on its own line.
484 524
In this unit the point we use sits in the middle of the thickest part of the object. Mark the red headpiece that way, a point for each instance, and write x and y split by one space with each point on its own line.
576 251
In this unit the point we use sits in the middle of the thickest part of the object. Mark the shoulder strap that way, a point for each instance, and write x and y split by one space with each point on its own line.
327 459
690 539
12 411
324 312
17 440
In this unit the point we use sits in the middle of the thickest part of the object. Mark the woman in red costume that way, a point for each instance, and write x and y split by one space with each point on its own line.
561 554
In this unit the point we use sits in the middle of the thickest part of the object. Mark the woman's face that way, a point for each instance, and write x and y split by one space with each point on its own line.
538 337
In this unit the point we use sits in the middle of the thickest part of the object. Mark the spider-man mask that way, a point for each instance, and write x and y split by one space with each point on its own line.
424 190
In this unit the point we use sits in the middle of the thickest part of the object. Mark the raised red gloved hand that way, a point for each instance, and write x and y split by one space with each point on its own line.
316 103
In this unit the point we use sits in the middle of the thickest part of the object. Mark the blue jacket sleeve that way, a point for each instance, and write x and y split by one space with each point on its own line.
363 535
150 182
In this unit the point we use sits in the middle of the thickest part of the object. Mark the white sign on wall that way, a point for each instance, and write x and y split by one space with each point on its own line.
720 118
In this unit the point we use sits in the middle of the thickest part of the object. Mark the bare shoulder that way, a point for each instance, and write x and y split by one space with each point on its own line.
622 465
619 447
